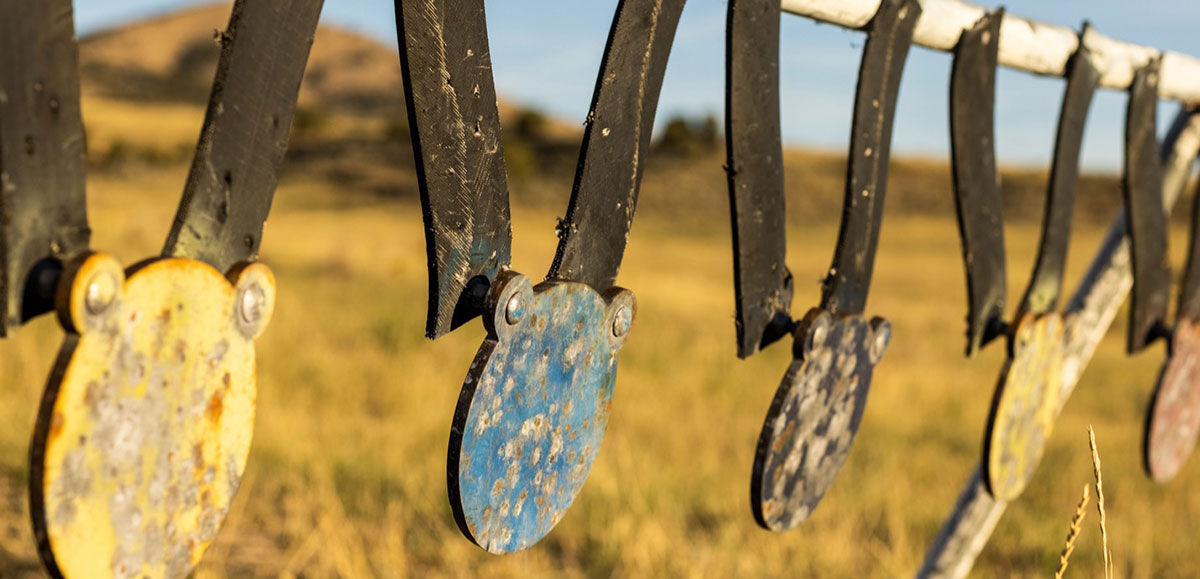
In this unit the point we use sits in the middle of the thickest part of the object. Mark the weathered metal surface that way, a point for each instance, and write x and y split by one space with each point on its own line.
1189 292
1025 405
534 407
889 36
976 182
814 416
1173 418
455 124
233 175
616 139
144 429
754 167
1147 222
1090 312
44 215
1173 421
1045 285
535 403
816 411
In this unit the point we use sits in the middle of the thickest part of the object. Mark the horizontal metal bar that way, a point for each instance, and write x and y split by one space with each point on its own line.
1025 44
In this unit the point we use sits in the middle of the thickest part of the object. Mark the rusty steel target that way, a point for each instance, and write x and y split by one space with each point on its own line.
1026 399
534 408
1025 405
1173 416
1173 420
146 421
816 411
814 416
536 401
146 424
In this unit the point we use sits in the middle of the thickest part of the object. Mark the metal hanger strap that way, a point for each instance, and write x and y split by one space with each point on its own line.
42 156
1189 294
754 166
976 183
616 139
1147 223
1045 285
889 36
457 142
245 134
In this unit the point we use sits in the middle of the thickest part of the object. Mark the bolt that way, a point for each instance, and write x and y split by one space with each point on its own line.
622 321
820 332
816 333
251 303
514 310
879 342
101 293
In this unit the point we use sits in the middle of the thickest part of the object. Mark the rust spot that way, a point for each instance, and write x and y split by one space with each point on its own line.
90 395
198 460
56 426
216 405
785 437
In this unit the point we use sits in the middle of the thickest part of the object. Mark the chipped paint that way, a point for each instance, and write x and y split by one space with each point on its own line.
1025 405
534 408
144 430
1173 422
816 412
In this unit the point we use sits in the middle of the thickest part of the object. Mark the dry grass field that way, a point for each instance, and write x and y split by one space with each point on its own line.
347 473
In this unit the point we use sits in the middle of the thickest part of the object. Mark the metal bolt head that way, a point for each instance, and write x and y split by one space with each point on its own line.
622 321
815 330
820 331
514 310
101 293
880 339
250 304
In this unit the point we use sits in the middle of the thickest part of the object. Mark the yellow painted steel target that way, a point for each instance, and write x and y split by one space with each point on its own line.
144 429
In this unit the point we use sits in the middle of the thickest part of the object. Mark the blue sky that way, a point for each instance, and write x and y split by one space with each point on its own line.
546 54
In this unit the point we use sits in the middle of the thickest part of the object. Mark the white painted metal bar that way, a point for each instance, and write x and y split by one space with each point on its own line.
1025 44
1089 314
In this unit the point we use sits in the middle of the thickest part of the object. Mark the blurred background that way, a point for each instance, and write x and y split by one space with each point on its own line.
347 475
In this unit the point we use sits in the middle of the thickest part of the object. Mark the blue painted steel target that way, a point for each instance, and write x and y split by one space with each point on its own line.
534 407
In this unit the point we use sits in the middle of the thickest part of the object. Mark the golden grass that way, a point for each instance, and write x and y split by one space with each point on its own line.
1073 533
347 472
166 126
1108 565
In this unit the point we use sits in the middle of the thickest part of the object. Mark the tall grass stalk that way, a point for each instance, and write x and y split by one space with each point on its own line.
1100 502
1073 533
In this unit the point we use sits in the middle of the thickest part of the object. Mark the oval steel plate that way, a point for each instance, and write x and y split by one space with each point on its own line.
814 416
1173 422
1025 405
144 429
534 408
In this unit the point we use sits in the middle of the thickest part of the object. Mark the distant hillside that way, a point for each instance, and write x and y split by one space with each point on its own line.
172 59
